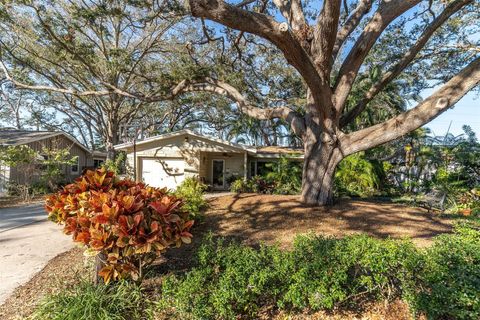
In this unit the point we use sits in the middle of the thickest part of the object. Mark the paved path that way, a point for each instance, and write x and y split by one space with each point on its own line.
212 195
27 242
18 216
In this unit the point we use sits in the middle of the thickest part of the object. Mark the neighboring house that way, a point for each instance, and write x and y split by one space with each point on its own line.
37 140
166 160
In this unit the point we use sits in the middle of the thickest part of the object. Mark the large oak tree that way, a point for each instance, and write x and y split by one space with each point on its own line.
99 64
329 52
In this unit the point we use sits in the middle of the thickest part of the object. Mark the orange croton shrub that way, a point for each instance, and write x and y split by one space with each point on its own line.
127 223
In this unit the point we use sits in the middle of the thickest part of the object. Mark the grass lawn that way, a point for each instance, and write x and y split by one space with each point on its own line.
254 219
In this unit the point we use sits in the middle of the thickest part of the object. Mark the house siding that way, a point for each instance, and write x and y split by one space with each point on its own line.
58 142
197 153
234 164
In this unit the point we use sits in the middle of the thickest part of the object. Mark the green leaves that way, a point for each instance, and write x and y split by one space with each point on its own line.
14 156
192 191
235 281
357 176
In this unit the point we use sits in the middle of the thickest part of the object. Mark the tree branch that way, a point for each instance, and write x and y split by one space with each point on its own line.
388 11
363 7
269 29
292 11
440 101
408 57
325 35
219 87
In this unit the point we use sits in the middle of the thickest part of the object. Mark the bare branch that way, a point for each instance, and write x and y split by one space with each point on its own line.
325 35
269 29
292 11
439 102
451 9
227 90
363 7
388 11
51 89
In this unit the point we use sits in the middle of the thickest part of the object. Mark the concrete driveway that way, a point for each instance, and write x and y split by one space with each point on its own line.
27 242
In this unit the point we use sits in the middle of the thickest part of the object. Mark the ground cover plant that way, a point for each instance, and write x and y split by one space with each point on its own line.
231 280
125 224
122 301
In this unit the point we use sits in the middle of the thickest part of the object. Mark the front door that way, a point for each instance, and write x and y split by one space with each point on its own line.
218 177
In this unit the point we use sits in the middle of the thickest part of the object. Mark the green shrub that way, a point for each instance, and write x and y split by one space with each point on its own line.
192 192
320 273
331 272
85 301
356 176
285 176
448 286
229 280
239 185
232 280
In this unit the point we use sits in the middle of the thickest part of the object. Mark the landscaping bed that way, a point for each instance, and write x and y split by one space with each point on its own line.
252 220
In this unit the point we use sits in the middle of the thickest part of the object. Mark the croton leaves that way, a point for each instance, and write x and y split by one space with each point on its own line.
122 219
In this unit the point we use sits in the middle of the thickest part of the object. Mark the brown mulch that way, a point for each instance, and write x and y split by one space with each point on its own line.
254 219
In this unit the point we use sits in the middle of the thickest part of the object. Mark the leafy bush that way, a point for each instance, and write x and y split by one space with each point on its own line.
232 280
285 176
192 192
123 301
466 202
331 272
448 286
124 222
356 176
242 185
49 165
117 165
320 273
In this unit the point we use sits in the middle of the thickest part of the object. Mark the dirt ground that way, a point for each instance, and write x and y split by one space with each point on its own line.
254 219
277 219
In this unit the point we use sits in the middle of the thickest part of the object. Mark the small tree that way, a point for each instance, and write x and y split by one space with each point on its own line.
53 165
24 158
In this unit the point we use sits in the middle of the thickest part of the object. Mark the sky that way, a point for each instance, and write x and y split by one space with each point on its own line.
465 112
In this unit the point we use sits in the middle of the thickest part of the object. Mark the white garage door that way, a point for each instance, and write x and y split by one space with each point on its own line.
163 172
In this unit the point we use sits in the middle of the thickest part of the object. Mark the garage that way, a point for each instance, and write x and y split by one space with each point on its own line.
163 172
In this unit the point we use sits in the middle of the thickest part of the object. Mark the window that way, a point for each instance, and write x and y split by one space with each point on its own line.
253 168
97 163
263 168
42 158
74 167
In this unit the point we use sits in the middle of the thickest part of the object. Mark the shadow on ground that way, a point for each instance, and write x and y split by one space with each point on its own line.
276 219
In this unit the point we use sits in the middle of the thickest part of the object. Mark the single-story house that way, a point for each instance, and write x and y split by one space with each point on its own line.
166 160
38 140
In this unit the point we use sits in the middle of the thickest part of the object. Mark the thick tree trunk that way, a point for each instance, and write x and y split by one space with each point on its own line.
319 166
322 155
111 138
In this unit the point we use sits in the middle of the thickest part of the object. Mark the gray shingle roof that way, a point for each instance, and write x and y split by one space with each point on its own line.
9 137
